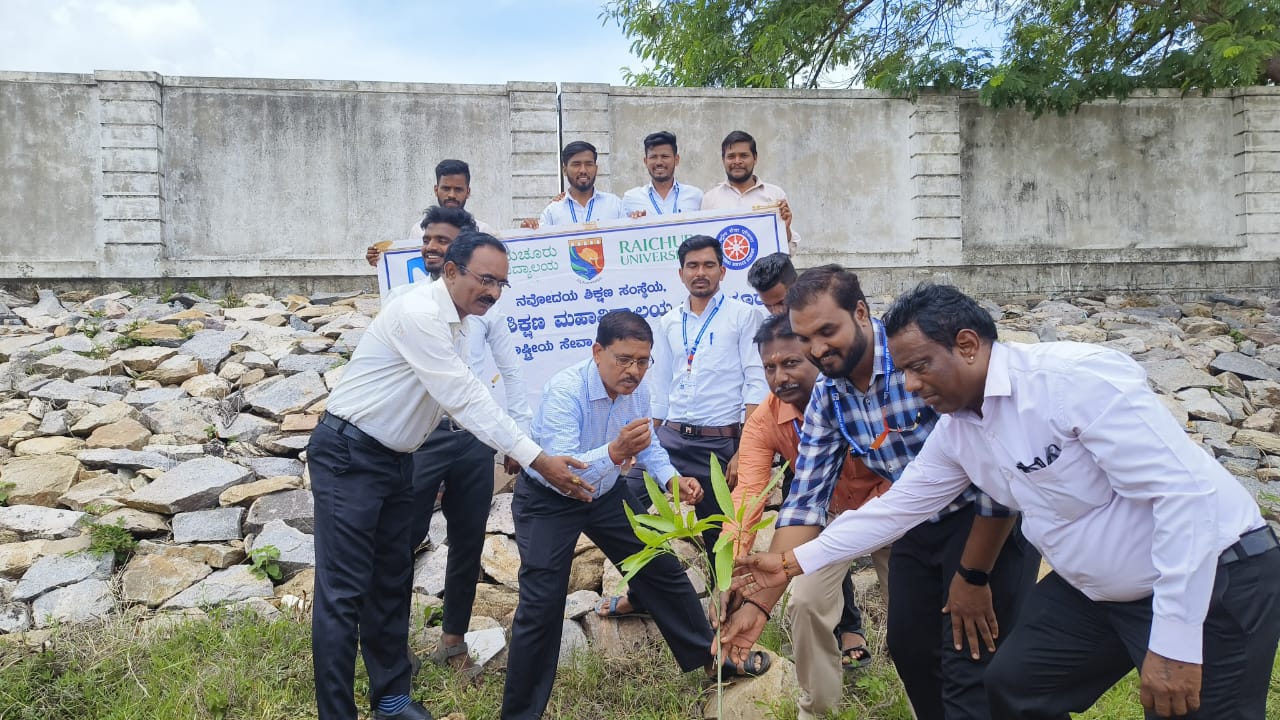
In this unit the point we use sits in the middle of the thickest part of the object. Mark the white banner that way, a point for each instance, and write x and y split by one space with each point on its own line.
563 279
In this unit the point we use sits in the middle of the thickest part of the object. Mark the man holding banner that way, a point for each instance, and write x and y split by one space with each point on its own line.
663 195
741 188
582 203
452 189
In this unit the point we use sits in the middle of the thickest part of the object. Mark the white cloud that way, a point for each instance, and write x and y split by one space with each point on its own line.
152 20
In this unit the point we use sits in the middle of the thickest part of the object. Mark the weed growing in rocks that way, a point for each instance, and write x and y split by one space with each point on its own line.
111 539
264 563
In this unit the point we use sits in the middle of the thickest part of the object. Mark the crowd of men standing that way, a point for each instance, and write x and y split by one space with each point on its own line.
918 439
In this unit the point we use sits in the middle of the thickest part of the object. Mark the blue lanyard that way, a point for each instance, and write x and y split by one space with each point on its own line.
574 213
684 329
653 199
854 447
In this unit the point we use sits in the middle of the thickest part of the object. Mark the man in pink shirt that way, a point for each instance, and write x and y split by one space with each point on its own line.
741 188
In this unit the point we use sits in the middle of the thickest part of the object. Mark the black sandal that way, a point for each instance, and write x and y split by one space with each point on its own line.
444 653
756 664
856 657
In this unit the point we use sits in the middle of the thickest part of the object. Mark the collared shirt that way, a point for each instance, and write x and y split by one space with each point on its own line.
726 374
576 417
406 371
489 331
772 429
681 198
726 196
1122 506
823 446
601 206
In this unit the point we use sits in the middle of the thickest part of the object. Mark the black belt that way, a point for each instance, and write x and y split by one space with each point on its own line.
722 431
1250 544
346 429
448 423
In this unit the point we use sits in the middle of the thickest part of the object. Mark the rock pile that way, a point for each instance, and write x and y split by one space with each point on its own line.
185 421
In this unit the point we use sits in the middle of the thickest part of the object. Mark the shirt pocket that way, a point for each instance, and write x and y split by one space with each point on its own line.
1071 486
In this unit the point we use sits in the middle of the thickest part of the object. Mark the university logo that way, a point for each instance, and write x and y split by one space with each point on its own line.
739 245
586 257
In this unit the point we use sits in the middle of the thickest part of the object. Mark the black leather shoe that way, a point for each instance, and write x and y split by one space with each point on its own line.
412 711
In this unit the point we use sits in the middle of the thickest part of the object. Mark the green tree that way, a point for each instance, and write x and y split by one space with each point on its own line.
1051 54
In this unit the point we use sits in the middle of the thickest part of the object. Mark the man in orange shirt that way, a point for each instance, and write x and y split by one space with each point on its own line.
775 428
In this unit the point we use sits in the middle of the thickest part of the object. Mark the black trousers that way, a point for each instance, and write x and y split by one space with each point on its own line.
1068 650
547 529
364 568
941 683
691 457
465 467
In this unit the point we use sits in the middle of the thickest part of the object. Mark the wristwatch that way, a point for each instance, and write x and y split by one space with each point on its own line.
973 577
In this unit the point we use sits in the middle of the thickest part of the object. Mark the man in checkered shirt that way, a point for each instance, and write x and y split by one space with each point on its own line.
950 578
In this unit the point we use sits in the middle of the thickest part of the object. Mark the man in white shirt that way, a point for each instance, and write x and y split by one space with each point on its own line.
452 189
454 459
582 203
1161 559
707 372
406 371
741 188
663 195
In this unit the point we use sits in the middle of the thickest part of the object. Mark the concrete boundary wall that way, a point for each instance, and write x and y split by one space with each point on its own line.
146 179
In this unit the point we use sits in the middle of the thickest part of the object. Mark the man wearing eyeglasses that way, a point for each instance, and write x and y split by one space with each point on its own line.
597 410
454 459
405 373
950 579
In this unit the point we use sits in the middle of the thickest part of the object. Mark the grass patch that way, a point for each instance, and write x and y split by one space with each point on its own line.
237 666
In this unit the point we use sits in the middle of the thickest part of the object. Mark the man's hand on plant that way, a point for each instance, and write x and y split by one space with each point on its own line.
690 490
558 470
740 632
972 616
729 601
758 571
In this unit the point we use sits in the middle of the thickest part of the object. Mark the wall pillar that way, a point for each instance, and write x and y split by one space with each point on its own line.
131 134
1257 153
934 146
584 115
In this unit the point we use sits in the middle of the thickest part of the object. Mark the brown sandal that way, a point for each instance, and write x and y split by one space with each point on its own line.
444 653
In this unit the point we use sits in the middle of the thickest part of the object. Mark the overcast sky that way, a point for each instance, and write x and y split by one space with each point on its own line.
489 41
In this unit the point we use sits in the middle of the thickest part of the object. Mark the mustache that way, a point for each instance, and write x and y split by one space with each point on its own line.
487 299
786 388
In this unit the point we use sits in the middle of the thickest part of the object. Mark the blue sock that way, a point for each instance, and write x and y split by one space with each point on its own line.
393 704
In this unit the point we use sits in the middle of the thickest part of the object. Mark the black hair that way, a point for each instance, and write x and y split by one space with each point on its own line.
771 270
622 325
941 312
460 250
841 284
662 137
774 327
456 217
574 148
453 167
700 242
735 137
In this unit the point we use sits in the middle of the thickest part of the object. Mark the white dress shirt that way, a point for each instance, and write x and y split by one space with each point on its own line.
601 206
406 371
1129 508
726 374
489 331
725 196
681 198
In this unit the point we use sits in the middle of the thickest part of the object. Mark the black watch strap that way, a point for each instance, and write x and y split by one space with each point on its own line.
973 577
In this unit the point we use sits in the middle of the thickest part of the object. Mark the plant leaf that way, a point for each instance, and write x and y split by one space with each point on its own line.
724 568
659 498
724 496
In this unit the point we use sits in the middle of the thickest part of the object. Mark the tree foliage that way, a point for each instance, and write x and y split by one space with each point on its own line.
1038 54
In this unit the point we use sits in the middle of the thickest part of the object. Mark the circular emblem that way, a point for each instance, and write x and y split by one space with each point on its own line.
739 245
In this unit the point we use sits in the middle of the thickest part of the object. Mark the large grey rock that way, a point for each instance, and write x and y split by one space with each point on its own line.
104 458
207 386
101 489
484 645
17 557
216 555
224 586
291 444
118 384
49 445
55 422
1170 376
281 396
186 419
63 391
246 494
1263 393
297 549
295 508
31 522
106 415
144 358
193 485
428 571
748 699
128 434
621 638
500 559
572 641
152 396
139 523
71 366
580 603
152 579
292 364
39 479
55 571
11 344
211 347
1201 404
208 525
176 370
15 617
500 518
265 467
82 602
1266 442
1244 366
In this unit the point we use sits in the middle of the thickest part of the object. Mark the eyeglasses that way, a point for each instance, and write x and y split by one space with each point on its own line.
486 280
625 362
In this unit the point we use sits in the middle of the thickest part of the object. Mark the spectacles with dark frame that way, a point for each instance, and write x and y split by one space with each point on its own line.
486 279
625 361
